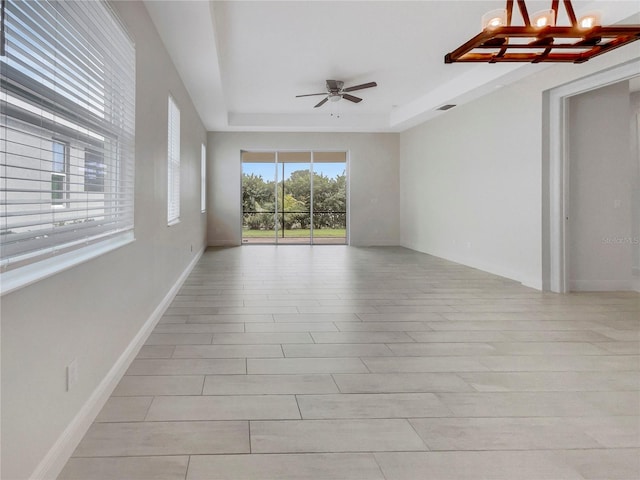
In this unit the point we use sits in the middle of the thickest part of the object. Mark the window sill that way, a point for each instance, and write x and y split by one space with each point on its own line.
29 274
173 222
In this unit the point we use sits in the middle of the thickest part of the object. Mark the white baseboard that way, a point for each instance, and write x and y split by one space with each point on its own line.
485 267
599 285
55 460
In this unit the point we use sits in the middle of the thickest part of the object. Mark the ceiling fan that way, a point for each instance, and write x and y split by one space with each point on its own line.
335 92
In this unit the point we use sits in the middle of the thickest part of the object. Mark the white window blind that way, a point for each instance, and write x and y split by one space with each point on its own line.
67 74
173 164
203 179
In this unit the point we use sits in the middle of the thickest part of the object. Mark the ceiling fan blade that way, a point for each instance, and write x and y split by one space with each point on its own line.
360 87
311 95
351 98
322 102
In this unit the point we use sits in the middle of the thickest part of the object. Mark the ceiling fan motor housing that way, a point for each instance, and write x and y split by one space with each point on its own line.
334 87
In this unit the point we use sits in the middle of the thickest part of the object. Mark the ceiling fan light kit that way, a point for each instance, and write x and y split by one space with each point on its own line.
336 92
540 39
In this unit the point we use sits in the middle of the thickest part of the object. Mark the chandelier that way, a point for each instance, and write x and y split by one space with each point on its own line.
540 39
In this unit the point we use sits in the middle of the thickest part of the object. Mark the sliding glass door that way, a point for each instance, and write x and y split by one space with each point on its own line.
258 197
294 197
329 198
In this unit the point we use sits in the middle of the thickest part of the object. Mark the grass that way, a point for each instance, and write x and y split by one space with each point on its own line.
297 233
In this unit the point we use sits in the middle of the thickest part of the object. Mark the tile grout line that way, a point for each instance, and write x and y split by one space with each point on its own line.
146 413
336 383
186 473
298 405
373 454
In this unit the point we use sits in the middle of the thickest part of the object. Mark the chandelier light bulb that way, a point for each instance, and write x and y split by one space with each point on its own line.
541 22
494 19
543 18
589 21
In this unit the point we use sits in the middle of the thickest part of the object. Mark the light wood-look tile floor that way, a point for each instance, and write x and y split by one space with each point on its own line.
340 363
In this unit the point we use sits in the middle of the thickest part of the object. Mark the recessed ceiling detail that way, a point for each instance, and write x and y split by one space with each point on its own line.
243 63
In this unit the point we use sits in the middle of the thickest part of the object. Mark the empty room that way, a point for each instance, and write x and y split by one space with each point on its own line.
329 240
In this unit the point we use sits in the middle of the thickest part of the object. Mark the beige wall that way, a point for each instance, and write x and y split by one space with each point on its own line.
92 312
635 198
373 177
472 179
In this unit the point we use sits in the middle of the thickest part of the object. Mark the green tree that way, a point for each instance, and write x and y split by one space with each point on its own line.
329 195
256 193
299 187
294 212
329 201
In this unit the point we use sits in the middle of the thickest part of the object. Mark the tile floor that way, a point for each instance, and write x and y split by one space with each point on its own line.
339 363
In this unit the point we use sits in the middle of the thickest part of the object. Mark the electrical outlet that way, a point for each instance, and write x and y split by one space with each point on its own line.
72 374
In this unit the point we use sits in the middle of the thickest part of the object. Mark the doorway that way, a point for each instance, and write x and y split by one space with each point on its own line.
294 197
574 239
603 179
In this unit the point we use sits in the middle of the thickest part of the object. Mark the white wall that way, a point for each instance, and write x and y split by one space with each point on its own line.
472 178
470 185
635 199
601 181
92 312
373 176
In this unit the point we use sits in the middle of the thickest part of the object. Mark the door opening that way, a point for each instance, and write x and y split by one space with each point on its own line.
557 195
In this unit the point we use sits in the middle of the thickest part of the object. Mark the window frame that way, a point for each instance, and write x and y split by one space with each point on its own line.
173 162
61 202
34 110
203 179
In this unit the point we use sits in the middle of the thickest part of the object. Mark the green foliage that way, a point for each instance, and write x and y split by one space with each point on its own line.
256 193
329 201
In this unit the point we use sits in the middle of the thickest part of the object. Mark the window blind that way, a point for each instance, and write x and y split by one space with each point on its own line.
68 129
173 164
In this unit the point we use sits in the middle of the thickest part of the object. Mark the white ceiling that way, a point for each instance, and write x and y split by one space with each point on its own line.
243 62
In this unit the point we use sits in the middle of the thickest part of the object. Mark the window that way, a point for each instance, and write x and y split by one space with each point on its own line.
94 171
294 197
59 157
203 179
59 167
67 72
173 164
